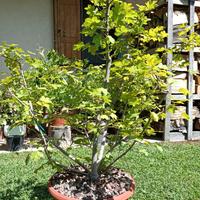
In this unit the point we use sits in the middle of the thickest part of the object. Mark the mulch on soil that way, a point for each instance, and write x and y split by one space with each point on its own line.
78 185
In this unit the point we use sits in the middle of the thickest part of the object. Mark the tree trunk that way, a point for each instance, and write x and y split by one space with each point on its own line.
100 141
98 153
108 55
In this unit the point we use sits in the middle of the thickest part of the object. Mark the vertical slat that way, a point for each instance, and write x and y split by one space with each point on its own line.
169 62
55 13
67 26
54 23
190 76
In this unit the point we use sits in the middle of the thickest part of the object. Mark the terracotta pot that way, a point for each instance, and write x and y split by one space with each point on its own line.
58 196
58 122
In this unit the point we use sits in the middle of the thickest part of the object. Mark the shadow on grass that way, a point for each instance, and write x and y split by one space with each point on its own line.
26 191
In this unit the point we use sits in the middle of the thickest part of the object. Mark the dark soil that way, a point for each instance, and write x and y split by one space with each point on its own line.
78 185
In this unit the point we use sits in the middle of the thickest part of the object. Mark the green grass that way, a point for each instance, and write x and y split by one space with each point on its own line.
173 174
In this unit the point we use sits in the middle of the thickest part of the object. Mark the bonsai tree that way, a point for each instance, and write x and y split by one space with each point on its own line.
122 94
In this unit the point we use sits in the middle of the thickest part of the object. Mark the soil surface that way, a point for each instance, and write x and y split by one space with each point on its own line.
79 186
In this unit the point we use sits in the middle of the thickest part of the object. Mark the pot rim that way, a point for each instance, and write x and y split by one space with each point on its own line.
124 196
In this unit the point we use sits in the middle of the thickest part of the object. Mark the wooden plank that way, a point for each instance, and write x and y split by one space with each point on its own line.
55 13
67 26
196 49
162 2
190 75
180 83
185 2
196 135
169 62
179 97
176 136
195 97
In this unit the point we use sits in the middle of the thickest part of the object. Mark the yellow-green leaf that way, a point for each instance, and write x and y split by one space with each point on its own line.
184 91
154 116
185 116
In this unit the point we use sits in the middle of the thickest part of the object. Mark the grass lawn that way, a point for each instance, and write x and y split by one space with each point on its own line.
171 174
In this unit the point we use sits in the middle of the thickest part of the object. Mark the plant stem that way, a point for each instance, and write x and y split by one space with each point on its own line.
120 156
70 157
98 153
94 168
128 149
100 142
108 54
52 160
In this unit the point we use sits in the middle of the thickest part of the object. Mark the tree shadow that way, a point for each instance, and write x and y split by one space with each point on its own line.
25 190
41 192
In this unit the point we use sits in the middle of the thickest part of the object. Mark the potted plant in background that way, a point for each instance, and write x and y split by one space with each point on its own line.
121 93
13 132
36 82
14 136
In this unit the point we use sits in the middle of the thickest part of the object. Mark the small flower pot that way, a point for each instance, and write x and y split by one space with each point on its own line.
58 122
15 137
15 142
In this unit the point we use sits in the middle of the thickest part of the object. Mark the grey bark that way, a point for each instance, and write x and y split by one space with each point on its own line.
98 152
100 141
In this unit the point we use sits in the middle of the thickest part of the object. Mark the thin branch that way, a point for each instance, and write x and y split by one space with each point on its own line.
116 144
52 160
59 164
26 86
88 137
23 77
86 133
31 112
12 94
70 157
12 59
120 156
108 56
128 149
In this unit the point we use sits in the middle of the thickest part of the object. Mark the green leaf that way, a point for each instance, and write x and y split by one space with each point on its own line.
34 156
79 46
150 131
80 141
87 159
97 40
111 39
184 91
184 115
154 116
171 108
105 117
44 102
99 92
144 151
113 116
149 5
159 148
